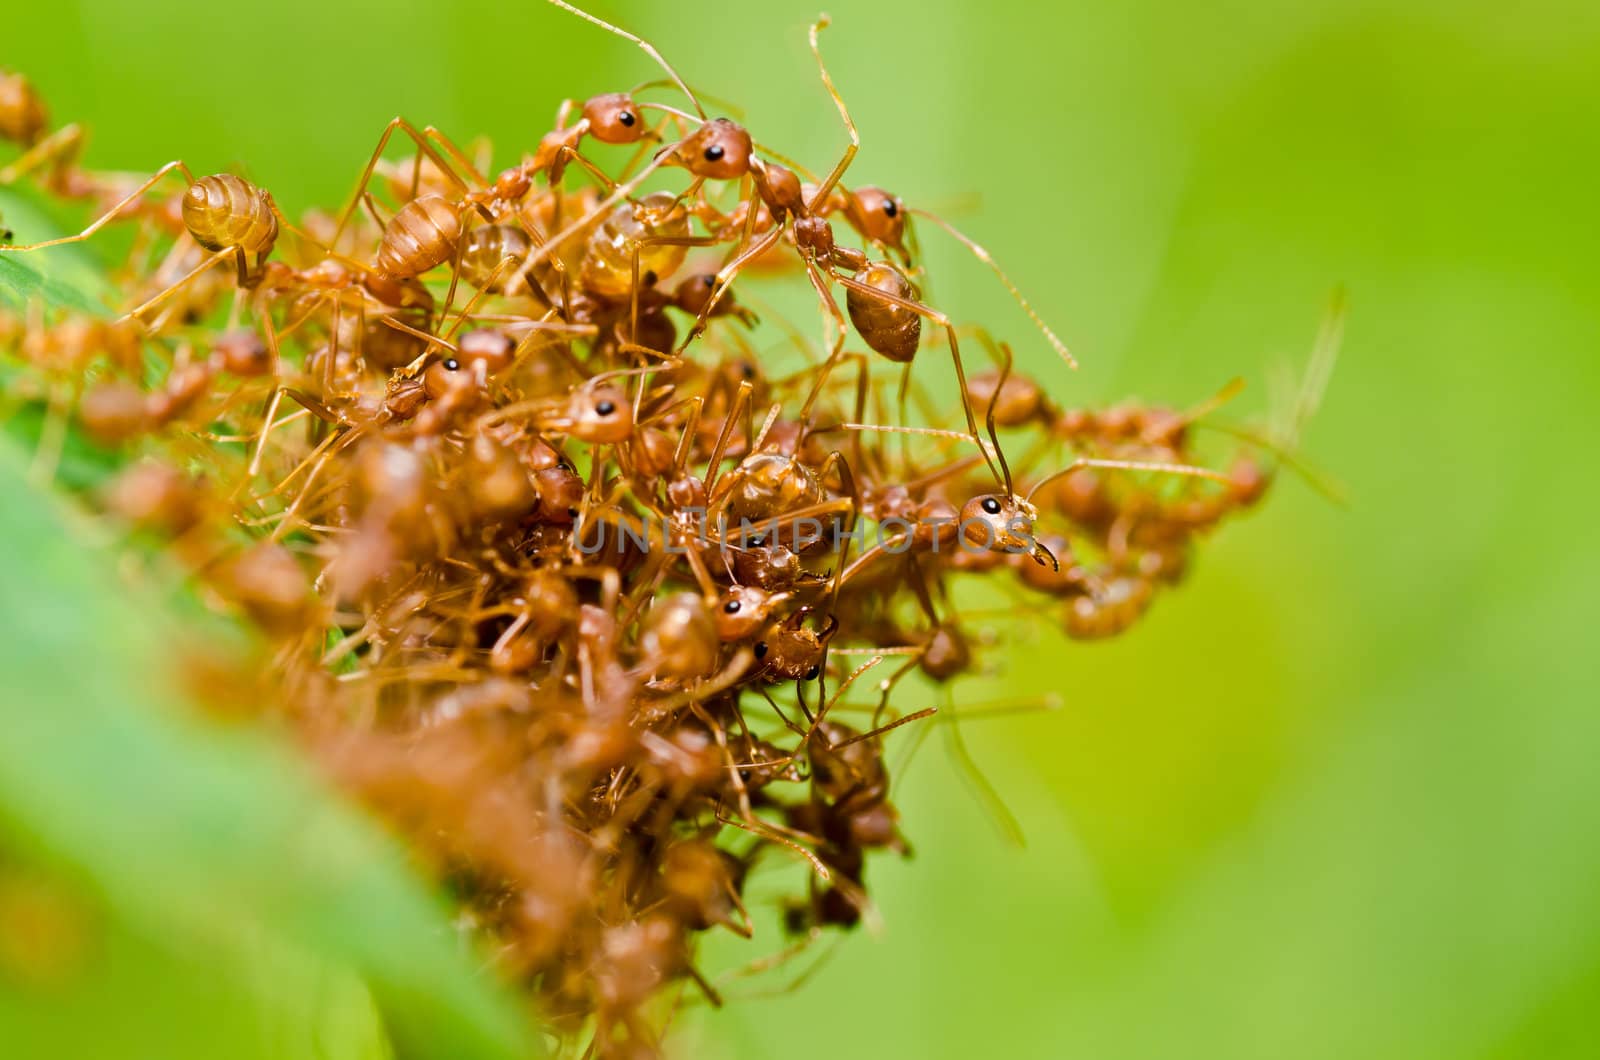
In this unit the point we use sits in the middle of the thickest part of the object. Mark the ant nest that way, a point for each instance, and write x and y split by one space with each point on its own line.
554 570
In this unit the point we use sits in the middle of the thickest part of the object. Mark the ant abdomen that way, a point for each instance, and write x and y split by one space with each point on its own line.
224 211
890 329
424 233
23 117
485 253
608 260
1013 400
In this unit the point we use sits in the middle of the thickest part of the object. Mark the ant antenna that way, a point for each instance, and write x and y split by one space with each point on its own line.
822 23
1324 355
726 106
1127 465
649 49
988 420
988 259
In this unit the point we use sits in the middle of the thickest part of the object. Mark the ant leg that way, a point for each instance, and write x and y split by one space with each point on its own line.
811 731
984 256
569 153
477 296
111 214
455 279
741 401
633 295
823 189
646 46
609 202
423 149
60 149
209 260
771 833
520 278
955 354
725 275
887 685
456 154
981 787
842 330
691 428
874 733
863 389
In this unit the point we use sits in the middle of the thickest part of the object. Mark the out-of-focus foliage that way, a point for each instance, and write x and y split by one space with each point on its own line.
1334 799
170 887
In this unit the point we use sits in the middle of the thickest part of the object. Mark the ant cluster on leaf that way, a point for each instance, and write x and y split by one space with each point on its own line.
554 569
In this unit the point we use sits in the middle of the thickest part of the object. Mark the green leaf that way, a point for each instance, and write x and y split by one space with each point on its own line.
210 839
64 276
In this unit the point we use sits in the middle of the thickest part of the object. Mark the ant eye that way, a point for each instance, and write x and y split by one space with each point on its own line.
759 541
650 278
714 153
811 674
626 118
572 513
732 607
761 649
709 279
452 365
991 506
606 408
889 208
749 370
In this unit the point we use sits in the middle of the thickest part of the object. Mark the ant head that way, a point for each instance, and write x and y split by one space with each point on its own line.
879 216
449 376
513 183
794 651
742 610
1000 523
490 347
599 413
614 118
736 370
242 353
693 292
560 492
1248 480
719 150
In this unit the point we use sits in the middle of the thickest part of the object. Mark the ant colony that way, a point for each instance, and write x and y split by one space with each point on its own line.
553 570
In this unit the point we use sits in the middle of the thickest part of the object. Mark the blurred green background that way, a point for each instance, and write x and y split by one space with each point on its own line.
1337 797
